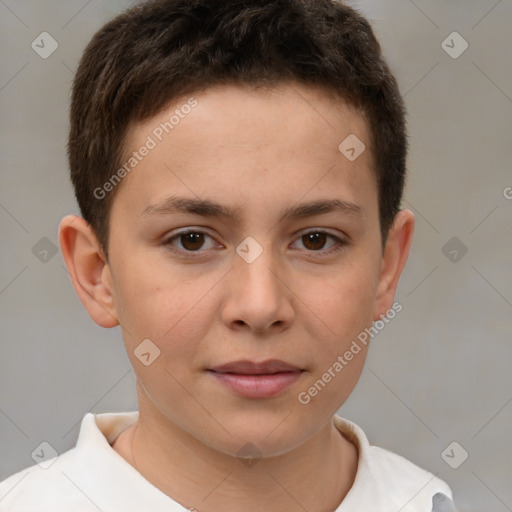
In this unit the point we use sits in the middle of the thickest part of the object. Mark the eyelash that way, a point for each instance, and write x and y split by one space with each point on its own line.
340 243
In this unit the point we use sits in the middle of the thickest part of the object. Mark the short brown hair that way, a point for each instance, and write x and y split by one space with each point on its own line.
161 50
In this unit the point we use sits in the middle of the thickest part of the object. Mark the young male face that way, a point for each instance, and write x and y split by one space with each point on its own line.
255 289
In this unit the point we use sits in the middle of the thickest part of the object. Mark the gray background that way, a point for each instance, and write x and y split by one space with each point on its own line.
438 373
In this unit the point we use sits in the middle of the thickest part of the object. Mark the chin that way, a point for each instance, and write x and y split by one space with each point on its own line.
266 434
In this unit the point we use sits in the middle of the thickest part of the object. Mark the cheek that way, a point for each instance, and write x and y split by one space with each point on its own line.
344 300
342 306
173 312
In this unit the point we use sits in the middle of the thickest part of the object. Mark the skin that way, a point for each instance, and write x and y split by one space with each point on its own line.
256 152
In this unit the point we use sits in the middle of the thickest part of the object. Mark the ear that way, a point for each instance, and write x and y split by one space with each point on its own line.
396 252
89 269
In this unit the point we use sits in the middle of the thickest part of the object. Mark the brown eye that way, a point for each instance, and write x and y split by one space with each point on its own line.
314 241
318 242
192 241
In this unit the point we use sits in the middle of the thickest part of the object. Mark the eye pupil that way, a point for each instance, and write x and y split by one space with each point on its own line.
192 241
316 239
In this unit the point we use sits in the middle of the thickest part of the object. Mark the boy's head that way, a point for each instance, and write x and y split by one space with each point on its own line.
161 51
243 160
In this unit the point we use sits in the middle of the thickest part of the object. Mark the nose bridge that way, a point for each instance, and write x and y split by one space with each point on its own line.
259 297
256 265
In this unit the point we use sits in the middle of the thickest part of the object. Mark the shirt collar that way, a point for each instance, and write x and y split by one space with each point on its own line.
113 484
105 477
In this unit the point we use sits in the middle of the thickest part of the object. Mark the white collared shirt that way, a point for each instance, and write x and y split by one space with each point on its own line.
94 477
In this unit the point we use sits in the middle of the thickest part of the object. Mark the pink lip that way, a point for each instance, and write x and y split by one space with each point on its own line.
257 380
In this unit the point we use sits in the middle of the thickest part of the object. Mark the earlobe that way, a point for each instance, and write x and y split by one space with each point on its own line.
88 269
396 252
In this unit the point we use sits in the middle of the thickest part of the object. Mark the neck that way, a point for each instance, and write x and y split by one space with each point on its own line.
203 479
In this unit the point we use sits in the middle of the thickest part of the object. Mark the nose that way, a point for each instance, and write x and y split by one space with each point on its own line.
258 298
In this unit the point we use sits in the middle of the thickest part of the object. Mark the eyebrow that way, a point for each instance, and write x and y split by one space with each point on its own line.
208 208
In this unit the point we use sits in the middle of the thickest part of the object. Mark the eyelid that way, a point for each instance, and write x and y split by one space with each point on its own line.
341 241
326 231
174 235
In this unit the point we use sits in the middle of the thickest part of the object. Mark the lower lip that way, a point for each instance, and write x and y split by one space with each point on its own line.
258 386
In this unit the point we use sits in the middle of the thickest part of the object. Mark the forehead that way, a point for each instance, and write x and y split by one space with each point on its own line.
239 140
236 113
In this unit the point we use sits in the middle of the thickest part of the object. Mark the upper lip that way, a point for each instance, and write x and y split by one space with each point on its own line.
246 367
